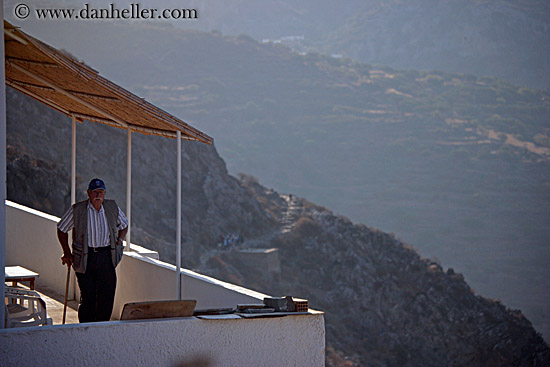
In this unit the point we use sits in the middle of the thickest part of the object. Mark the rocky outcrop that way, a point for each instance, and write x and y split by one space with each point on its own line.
34 182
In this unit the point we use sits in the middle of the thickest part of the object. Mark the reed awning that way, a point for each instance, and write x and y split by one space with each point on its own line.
75 89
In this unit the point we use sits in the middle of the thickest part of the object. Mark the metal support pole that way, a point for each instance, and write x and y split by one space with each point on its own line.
73 162
178 218
129 188
2 170
73 289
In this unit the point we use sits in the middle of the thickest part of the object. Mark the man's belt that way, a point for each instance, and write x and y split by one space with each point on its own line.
99 249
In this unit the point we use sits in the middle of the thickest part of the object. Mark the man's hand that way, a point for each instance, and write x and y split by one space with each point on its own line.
67 259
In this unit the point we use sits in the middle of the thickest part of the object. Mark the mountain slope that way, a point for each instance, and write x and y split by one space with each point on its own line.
384 304
506 39
455 164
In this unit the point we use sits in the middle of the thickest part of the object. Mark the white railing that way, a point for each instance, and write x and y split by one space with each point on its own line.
31 241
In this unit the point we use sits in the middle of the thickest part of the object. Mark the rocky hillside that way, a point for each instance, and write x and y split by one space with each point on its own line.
384 304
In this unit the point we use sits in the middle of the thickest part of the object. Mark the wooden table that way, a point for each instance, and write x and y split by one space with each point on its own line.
16 274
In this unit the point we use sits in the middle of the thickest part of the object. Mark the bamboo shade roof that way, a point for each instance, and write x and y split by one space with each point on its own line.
73 88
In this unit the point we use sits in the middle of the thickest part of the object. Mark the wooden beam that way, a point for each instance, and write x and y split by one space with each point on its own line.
66 93
77 93
33 62
39 98
11 33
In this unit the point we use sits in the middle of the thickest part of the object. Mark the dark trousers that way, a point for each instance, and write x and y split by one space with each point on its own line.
97 288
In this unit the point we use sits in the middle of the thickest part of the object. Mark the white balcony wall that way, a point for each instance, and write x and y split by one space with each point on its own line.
31 242
281 341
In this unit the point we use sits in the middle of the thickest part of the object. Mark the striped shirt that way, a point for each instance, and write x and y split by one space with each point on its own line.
98 230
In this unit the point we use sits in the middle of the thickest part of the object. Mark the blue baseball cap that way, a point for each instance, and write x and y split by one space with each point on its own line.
96 184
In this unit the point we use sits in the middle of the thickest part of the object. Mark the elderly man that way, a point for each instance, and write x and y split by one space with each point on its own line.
99 226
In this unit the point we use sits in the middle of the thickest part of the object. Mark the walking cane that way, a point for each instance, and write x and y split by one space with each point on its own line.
66 292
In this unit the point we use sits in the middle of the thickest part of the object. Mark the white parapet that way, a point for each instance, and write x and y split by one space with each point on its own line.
282 341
